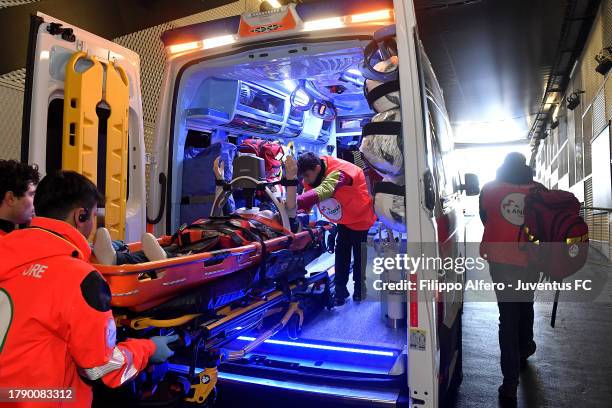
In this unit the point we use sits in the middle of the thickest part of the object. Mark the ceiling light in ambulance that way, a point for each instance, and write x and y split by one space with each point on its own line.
176 48
379 15
218 41
274 3
324 24
374 17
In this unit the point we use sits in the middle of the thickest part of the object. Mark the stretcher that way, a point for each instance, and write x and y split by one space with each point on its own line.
143 286
146 285
210 298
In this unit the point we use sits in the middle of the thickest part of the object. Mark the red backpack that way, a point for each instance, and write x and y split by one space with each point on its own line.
554 234
272 154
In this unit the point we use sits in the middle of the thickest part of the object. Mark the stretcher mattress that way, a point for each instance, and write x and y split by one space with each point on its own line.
146 285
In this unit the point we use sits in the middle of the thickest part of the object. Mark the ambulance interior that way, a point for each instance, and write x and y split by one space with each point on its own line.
310 95
305 90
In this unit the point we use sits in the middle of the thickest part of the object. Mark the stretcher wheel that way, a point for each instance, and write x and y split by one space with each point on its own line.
293 327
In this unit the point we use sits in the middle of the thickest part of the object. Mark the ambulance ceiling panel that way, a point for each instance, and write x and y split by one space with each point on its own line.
297 67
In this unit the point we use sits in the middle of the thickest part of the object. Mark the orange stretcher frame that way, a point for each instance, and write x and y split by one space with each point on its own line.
142 286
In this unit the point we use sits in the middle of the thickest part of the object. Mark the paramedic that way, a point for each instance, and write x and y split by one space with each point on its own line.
501 212
62 331
340 191
17 187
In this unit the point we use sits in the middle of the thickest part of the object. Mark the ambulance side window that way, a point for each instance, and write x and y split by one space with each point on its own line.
440 135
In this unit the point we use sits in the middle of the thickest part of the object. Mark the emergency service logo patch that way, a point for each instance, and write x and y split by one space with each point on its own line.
512 207
331 209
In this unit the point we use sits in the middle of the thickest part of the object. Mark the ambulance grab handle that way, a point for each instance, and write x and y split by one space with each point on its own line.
162 204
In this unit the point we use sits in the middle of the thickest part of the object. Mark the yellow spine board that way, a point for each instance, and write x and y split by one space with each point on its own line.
117 96
82 93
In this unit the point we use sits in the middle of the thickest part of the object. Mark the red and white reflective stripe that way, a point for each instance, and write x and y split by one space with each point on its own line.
122 359
414 304
129 371
115 363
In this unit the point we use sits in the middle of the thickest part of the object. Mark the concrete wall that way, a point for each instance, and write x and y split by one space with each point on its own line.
564 159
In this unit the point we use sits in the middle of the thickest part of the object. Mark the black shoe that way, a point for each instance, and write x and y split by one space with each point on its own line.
359 294
358 297
507 393
528 352
339 301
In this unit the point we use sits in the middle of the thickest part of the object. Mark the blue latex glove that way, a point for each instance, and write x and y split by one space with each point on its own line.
162 351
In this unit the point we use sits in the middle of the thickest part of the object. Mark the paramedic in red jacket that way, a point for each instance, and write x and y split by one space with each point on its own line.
56 326
501 212
339 190
17 187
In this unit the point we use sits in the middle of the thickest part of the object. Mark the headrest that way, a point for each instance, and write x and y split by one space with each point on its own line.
250 166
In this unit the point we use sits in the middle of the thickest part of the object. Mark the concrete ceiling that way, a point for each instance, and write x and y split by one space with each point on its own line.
492 57
107 18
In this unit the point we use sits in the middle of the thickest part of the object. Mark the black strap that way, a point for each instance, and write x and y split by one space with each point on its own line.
220 183
386 187
289 183
198 199
382 90
553 316
382 128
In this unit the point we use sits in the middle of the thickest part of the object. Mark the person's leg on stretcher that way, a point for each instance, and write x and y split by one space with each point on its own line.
107 253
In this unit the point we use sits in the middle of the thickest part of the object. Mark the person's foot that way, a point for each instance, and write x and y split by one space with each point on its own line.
359 295
528 352
152 249
507 393
103 248
339 301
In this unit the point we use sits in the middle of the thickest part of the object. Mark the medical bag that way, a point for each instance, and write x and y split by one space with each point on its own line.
554 234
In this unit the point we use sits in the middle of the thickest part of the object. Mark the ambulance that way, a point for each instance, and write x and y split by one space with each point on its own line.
295 74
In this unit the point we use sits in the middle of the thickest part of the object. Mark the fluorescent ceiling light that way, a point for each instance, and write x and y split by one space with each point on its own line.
176 48
274 3
218 41
378 15
324 24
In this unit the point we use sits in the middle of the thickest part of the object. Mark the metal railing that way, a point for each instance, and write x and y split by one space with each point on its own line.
599 222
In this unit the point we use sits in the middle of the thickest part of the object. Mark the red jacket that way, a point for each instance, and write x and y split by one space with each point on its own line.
61 327
502 207
349 204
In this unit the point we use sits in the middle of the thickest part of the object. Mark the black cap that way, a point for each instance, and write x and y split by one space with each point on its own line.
515 159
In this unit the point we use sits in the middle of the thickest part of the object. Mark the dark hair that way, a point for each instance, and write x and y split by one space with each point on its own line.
307 161
16 177
514 170
62 191
515 159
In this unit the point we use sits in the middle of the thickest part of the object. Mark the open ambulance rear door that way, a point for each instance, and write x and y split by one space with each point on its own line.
83 112
423 345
